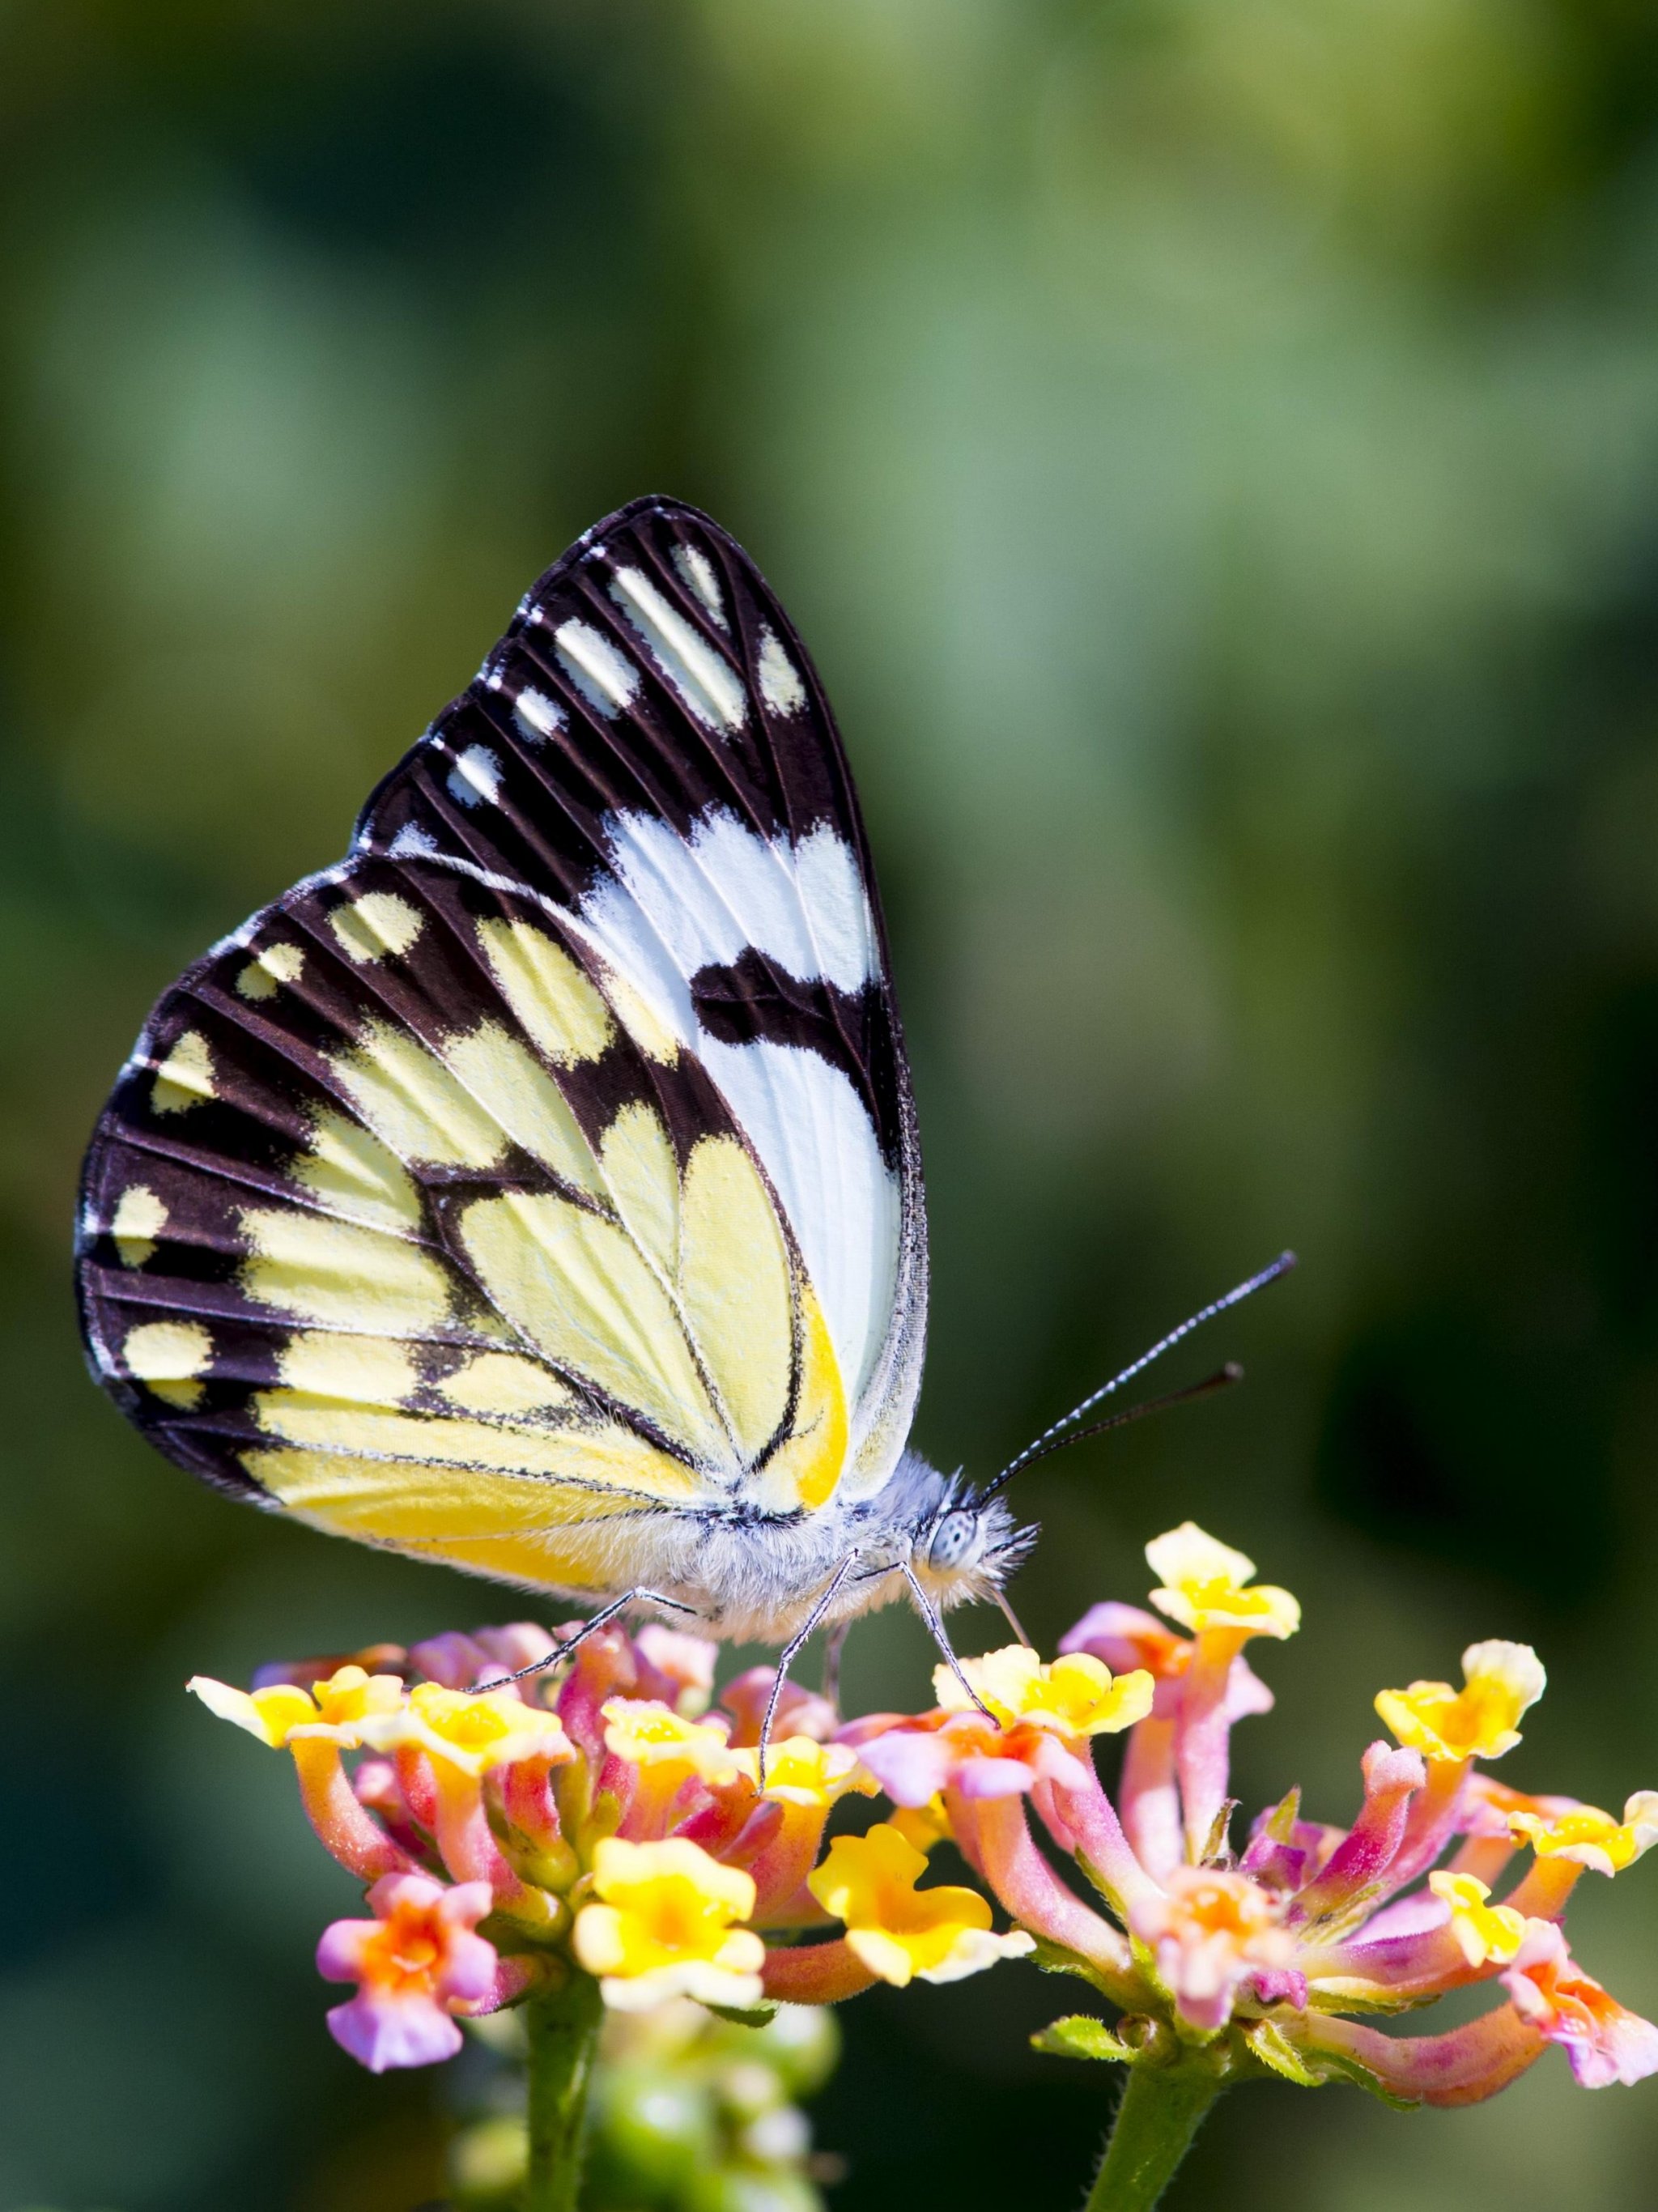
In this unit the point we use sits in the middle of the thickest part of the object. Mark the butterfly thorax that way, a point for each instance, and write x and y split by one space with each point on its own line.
754 1577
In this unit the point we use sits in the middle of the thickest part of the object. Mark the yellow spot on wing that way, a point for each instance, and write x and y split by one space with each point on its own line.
524 1100
411 1099
373 1370
502 1382
185 1078
351 1171
734 1281
487 1090
578 1288
376 926
167 1357
636 1159
139 1220
808 1464
336 1272
641 1019
271 965
554 1001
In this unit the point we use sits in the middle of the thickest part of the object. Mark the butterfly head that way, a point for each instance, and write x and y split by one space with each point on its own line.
963 1547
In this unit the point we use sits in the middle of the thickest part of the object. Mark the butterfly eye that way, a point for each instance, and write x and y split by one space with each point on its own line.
954 1541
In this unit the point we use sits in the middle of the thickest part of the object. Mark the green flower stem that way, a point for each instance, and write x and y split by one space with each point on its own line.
563 2035
1161 2108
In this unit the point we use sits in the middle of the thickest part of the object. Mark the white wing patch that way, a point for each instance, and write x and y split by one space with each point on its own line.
696 573
708 687
675 906
837 909
814 1139
475 776
538 717
607 679
684 905
780 679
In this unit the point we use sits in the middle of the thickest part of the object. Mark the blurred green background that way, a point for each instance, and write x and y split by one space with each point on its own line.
1212 448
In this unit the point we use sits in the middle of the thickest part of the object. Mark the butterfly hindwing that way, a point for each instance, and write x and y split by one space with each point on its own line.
551 1163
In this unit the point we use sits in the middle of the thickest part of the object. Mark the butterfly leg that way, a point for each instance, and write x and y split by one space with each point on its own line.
834 1645
591 1626
934 1619
792 1649
1012 1619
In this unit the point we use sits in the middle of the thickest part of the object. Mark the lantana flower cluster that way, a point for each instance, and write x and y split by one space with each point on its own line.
603 1821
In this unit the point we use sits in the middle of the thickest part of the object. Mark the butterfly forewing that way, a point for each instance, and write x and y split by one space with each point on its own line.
552 1160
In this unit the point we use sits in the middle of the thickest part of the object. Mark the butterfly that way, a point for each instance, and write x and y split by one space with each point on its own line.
539 1190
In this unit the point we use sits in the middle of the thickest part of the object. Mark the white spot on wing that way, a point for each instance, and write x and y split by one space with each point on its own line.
538 716
605 677
780 680
410 841
696 572
837 907
475 776
707 686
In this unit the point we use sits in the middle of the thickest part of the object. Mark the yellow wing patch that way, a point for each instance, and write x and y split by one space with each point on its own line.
426 1114
643 1024
808 1466
502 1382
526 1104
338 1273
554 1002
169 1357
348 1170
443 1352
139 1219
636 1161
545 1531
579 1288
462 1109
734 1279
375 1371
186 1077
269 968
378 926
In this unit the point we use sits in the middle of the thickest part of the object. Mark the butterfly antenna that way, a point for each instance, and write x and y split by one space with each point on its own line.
1040 1446
1222 1379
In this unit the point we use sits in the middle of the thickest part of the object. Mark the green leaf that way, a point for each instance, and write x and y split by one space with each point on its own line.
1274 2049
1053 1959
1314 2068
1280 1822
760 2015
1079 2035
